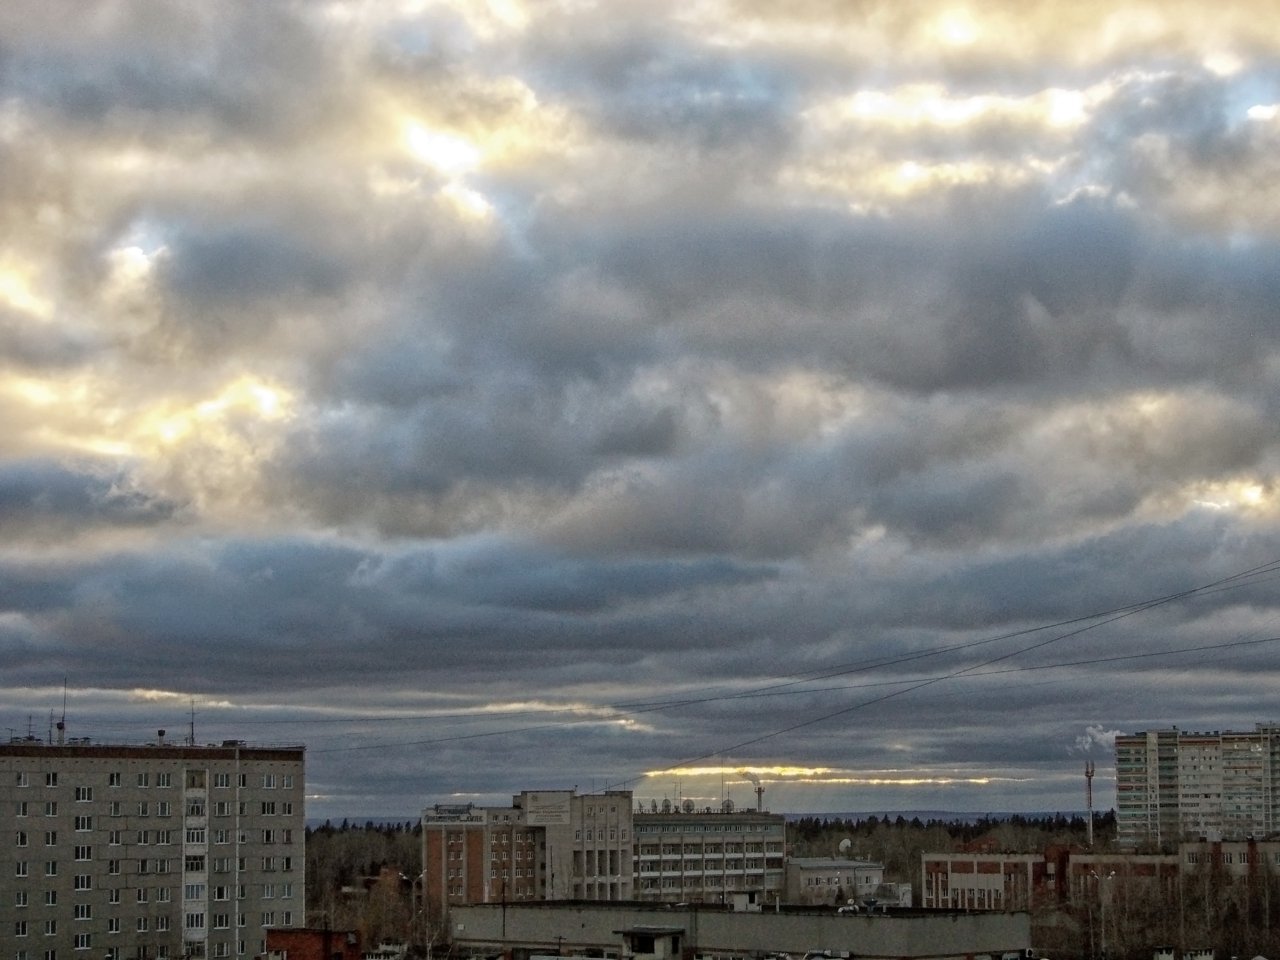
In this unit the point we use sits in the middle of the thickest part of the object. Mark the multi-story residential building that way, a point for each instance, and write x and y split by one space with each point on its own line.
1173 785
148 852
548 845
682 854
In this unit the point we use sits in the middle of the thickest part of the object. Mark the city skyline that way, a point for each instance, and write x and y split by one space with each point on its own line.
879 398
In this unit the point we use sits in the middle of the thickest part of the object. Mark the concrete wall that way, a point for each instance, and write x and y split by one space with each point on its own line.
575 928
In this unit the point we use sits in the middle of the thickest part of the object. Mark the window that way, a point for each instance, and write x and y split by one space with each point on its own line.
268 836
268 891
51 808
113 867
51 778
194 863
222 835
164 780
113 838
51 838
193 891
288 781
113 897
144 810
144 779
195 921
113 779
286 808
20 898
20 928
222 780
20 838
242 780
51 868
51 898
143 894
195 835
84 853
220 893
195 807
144 838
162 924
51 928
221 921
143 925
84 824
268 918
83 911
164 809
113 924
82 941
22 779
113 808
269 781
83 881
222 808
84 794
164 895
20 809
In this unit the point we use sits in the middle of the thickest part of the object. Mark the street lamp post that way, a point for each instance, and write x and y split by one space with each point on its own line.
1102 909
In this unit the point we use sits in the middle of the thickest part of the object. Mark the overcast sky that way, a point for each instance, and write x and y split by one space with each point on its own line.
496 395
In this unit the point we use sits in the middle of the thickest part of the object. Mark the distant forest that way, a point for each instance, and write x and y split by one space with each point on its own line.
898 842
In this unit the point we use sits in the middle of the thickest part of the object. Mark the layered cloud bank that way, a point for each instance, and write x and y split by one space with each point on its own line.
496 395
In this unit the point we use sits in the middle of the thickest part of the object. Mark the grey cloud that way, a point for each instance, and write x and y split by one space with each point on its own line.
258 72
42 500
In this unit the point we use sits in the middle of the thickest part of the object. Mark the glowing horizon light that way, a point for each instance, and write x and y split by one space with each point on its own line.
1263 111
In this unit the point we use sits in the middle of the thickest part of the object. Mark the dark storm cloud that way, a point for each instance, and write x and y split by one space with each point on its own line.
238 269
45 501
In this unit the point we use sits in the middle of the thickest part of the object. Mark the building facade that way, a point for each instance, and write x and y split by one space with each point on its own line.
148 852
707 856
818 881
548 845
1173 785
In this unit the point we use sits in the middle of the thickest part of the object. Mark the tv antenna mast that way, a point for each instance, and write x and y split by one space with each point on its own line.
1088 790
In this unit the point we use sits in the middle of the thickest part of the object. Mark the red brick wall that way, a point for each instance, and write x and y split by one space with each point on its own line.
308 944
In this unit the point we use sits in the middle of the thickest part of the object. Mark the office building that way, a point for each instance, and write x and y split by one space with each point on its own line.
148 852
706 856
548 845
1173 785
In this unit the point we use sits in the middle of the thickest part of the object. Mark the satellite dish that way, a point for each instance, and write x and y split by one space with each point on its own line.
846 845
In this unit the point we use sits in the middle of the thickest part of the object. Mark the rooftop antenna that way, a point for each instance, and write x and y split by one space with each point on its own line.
191 739
1088 790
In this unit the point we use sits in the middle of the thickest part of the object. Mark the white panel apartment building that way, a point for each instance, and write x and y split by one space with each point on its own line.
708 856
148 852
1172 785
